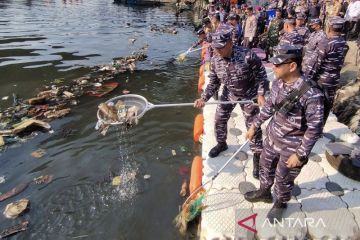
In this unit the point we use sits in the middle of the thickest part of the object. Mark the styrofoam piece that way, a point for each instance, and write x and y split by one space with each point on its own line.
312 176
329 215
219 219
331 118
352 199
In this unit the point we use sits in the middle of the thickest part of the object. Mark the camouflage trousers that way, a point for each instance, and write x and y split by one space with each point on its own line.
273 167
222 115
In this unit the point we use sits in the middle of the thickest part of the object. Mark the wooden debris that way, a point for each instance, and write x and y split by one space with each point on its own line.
43 179
57 113
15 191
13 210
18 128
14 229
108 111
36 100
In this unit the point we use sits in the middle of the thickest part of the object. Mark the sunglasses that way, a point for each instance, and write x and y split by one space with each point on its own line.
283 63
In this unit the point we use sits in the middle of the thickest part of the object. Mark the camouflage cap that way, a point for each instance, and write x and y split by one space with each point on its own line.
215 14
337 22
315 21
220 38
284 52
232 16
300 16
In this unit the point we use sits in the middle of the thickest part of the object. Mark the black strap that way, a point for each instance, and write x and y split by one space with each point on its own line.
288 103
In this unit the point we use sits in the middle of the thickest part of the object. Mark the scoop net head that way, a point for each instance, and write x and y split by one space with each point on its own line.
130 100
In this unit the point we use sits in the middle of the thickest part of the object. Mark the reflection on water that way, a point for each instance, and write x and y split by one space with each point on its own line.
45 40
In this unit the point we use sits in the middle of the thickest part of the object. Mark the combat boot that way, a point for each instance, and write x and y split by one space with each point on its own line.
276 212
256 160
261 195
215 151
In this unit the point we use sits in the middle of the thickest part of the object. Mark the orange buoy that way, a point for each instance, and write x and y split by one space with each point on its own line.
198 127
196 174
201 83
201 70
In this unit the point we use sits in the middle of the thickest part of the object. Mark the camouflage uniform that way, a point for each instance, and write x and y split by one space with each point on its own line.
294 132
311 47
293 38
304 32
326 62
273 34
243 77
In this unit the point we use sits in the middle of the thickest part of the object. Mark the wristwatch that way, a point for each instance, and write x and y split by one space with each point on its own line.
301 158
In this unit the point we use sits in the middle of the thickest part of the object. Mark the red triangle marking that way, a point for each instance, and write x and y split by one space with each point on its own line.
252 229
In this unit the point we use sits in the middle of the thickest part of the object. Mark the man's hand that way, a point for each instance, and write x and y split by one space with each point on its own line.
250 133
251 39
199 103
293 161
261 100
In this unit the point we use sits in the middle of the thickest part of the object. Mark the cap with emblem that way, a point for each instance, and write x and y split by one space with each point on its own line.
283 53
315 21
336 22
220 38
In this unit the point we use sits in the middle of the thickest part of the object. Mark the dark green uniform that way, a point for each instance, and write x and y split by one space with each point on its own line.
272 40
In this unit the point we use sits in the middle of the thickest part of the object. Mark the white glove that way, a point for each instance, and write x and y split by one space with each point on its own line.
250 39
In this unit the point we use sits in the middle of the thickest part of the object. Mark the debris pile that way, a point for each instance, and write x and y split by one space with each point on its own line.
54 100
155 28
116 113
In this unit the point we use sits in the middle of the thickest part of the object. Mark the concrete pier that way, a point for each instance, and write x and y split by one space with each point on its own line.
314 212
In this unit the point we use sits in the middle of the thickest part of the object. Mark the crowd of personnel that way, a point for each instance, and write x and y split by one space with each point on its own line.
306 43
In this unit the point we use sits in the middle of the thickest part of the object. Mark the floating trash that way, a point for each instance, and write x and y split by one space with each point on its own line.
38 153
43 179
13 210
184 188
116 181
14 229
13 192
147 176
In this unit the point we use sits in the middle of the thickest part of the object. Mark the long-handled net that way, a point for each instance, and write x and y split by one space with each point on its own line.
194 204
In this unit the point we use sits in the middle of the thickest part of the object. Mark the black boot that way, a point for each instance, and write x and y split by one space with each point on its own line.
276 212
261 195
215 151
256 164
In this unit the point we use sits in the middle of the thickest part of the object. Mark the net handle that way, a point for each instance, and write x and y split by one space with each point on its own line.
150 106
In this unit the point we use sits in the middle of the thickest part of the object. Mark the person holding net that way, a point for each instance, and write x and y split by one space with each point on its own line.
243 77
